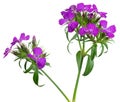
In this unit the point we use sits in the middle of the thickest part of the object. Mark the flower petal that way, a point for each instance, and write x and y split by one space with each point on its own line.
110 35
27 37
82 31
80 6
103 23
15 40
41 62
112 29
37 51
72 25
103 14
22 37
62 21
7 50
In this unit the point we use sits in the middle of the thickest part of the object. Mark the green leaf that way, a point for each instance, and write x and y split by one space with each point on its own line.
93 51
36 77
102 50
79 59
29 69
89 66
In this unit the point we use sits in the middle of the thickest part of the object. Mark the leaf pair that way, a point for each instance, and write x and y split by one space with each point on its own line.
89 65
35 72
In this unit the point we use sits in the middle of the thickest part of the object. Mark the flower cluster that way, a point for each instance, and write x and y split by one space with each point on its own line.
30 53
86 19
88 27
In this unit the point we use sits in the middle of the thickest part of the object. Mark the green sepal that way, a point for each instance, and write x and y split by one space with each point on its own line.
89 66
93 51
48 64
79 59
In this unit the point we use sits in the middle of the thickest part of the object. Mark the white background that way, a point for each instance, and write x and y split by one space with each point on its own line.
40 18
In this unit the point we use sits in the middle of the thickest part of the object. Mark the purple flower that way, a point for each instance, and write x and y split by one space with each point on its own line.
89 29
16 40
37 51
22 37
67 16
62 21
7 51
72 25
87 8
92 29
94 8
72 8
82 31
103 14
80 7
109 31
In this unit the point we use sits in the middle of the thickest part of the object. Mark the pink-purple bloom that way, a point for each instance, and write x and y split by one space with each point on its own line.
36 56
16 40
67 17
103 14
22 37
109 31
72 25
7 51
89 29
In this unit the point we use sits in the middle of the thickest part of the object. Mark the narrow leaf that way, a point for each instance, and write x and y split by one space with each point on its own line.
36 77
25 65
102 50
20 63
89 66
93 51
29 69
66 32
79 60
106 46
17 59
74 37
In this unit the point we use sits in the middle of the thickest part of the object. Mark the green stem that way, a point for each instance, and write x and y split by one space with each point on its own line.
56 86
77 82
79 42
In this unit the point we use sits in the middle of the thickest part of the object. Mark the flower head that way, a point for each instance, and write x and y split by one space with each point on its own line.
36 56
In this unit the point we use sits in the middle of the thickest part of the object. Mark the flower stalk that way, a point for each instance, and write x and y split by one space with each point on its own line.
65 96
